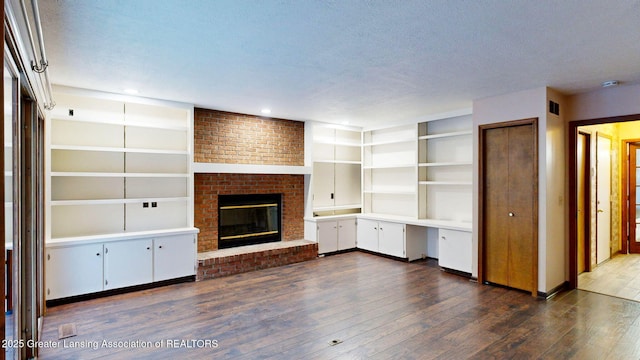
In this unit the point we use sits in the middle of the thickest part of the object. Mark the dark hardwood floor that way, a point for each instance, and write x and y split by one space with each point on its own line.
373 307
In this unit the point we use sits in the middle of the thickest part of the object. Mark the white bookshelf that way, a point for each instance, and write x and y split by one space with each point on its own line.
337 163
445 169
390 171
110 160
119 177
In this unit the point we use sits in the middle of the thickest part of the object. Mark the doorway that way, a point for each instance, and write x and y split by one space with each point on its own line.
590 213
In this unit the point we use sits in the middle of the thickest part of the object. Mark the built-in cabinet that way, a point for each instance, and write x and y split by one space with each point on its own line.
80 269
454 250
413 177
119 169
392 238
337 162
336 235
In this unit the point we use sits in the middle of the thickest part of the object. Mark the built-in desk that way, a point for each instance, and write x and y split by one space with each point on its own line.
408 238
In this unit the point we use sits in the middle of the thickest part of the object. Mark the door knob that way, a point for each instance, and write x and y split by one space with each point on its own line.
600 211
512 214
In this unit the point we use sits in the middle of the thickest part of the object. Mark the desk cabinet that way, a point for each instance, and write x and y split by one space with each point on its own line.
454 250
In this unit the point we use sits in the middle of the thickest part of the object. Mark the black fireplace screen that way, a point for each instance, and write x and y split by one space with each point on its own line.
248 219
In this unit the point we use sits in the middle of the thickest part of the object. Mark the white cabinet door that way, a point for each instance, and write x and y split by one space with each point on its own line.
346 234
174 257
347 184
74 270
391 238
327 236
323 185
454 250
128 263
367 237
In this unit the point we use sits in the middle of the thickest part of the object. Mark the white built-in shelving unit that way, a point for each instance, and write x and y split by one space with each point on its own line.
119 170
336 170
417 191
445 169
390 171
336 194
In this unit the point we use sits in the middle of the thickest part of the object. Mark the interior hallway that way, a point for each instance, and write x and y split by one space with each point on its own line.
620 277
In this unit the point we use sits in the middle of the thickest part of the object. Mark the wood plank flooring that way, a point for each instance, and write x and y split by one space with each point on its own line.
374 307
619 276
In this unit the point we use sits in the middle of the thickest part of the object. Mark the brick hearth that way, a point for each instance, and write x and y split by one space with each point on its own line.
214 264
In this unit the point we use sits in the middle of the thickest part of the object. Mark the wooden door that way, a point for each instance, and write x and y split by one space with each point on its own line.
509 205
603 199
634 198
583 214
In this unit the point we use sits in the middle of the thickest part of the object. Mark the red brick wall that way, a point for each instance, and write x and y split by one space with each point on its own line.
231 138
209 186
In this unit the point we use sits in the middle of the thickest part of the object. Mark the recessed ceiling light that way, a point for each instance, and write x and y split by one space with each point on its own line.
266 111
610 83
131 91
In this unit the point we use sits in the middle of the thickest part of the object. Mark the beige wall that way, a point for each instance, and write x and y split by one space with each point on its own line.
553 259
552 231
616 101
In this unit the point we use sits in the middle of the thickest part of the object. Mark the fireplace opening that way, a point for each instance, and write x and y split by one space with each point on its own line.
249 219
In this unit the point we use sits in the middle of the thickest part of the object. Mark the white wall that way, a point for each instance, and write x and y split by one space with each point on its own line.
551 174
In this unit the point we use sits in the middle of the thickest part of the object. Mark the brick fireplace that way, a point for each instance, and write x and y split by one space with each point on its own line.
238 139
209 186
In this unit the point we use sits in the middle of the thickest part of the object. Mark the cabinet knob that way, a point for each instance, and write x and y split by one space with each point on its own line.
443 237
148 247
512 214
160 247
98 254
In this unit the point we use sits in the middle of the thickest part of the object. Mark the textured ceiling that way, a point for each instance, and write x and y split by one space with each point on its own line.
367 62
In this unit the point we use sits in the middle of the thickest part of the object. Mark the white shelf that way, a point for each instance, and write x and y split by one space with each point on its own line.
338 162
390 192
337 207
117 149
329 141
463 183
444 135
122 236
434 223
121 122
115 201
388 166
389 142
131 175
437 164
249 169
